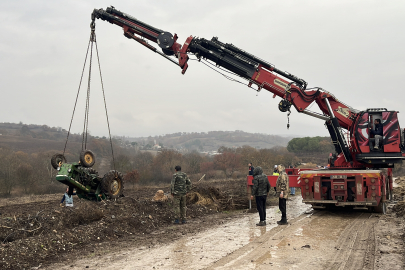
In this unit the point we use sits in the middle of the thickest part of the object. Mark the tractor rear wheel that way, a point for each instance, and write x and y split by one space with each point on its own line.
113 184
87 158
57 160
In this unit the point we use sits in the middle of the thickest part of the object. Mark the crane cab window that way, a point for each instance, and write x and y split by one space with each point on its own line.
375 132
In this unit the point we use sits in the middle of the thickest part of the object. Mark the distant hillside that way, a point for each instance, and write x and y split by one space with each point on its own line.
210 141
41 138
33 138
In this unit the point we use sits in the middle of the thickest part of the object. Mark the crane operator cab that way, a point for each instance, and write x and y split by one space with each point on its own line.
390 145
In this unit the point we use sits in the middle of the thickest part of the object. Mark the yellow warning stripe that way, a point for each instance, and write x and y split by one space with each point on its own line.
372 174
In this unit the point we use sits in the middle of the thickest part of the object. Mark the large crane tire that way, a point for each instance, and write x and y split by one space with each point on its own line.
381 208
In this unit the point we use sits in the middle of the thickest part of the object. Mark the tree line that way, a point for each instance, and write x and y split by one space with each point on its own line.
23 173
228 163
311 144
32 173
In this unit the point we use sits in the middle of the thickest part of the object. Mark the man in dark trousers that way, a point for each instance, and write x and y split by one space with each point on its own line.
180 185
260 189
282 189
377 132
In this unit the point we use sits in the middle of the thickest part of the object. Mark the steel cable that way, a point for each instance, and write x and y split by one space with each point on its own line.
105 103
77 96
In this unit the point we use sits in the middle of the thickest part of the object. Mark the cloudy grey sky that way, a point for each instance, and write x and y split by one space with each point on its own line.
354 49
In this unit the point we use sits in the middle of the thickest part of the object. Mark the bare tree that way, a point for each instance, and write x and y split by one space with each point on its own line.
142 162
8 167
132 177
228 163
208 168
122 163
164 163
192 162
44 174
248 154
24 177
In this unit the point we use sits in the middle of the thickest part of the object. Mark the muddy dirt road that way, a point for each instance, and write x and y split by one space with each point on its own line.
322 240
314 240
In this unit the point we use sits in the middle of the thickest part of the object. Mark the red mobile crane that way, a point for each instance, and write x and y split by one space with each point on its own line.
355 176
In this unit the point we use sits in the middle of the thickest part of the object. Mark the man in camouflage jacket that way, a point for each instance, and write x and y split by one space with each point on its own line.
282 190
180 185
260 189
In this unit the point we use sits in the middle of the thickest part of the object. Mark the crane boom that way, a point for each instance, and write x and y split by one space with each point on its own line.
353 153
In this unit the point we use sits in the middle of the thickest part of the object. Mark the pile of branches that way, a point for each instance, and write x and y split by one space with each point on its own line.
215 198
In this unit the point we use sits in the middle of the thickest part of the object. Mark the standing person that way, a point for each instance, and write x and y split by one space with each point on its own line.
260 189
275 172
67 198
180 185
282 187
251 168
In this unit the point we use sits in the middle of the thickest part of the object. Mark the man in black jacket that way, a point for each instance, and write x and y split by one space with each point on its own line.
260 189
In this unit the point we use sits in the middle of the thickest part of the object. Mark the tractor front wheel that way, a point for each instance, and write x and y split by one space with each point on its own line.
87 158
57 160
113 184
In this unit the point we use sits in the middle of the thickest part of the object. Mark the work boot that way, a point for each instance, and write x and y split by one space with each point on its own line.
176 221
282 222
183 221
261 223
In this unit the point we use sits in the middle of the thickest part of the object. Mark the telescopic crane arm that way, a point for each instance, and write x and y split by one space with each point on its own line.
258 72
263 75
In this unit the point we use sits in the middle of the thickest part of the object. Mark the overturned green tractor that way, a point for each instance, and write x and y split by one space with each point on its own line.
85 180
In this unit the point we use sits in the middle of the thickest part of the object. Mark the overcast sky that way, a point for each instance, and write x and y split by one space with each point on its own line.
353 49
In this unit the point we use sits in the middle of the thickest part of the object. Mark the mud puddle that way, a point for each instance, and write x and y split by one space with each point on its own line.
200 250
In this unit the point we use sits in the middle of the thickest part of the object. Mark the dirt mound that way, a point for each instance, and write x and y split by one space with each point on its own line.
41 232
400 181
399 209
159 196
399 195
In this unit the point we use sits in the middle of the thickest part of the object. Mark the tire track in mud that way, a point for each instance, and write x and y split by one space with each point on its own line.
258 253
355 248
337 240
